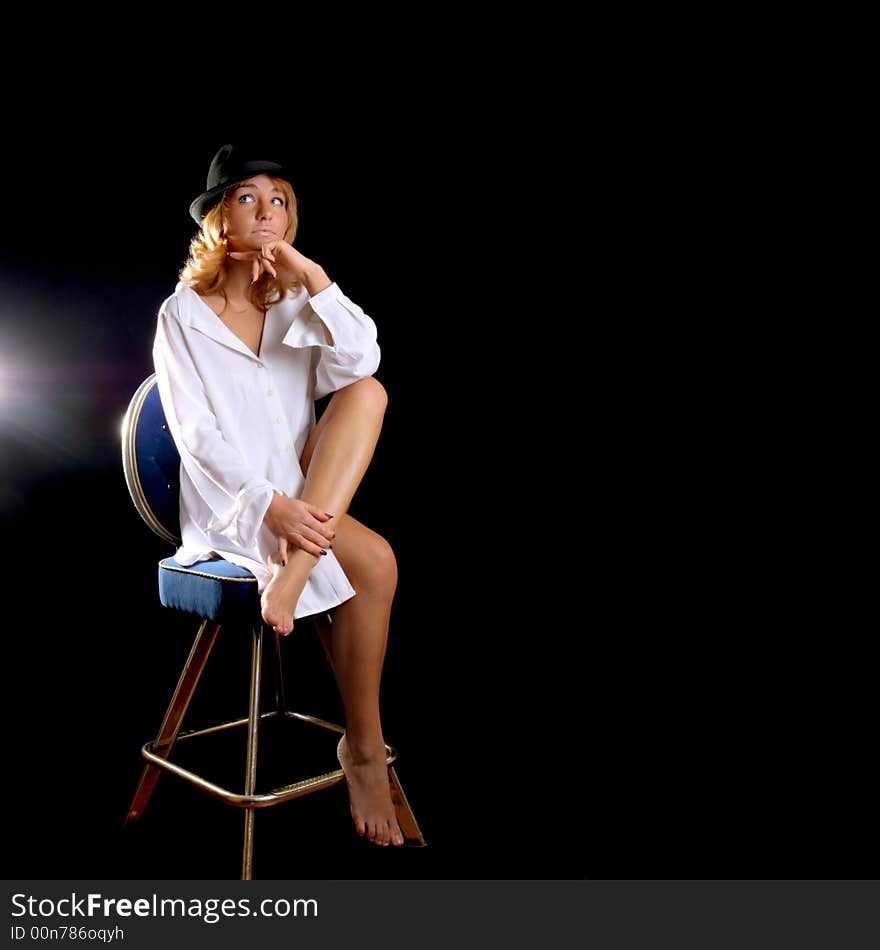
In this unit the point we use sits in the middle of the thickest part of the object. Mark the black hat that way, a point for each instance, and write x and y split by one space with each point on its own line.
227 169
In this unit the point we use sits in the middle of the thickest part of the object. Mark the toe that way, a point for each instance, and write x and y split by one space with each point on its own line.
388 833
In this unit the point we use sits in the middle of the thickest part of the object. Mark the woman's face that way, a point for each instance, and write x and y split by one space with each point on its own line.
255 214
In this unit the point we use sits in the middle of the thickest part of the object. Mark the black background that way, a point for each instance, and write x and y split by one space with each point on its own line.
601 663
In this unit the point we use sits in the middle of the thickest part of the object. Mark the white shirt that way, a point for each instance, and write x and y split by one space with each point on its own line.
241 421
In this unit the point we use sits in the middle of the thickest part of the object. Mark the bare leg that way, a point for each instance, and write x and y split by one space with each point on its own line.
359 635
334 460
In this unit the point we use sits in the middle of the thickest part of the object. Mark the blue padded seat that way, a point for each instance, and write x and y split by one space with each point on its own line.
217 589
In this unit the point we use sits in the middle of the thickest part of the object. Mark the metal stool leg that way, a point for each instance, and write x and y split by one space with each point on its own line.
250 783
186 685
280 700
412 835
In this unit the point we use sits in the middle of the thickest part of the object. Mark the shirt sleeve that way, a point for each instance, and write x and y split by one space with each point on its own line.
219 472
353 353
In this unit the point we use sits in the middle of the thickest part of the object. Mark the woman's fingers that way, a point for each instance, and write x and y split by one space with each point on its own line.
318 550
278 557
323 530
262 260
266 256
322 533
322 540
320 517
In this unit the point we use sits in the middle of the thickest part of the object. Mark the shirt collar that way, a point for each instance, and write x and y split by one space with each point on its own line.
197 314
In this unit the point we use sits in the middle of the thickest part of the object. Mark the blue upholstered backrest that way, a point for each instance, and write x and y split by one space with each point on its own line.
151 462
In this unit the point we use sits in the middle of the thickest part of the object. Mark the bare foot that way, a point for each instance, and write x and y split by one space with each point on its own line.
369 795
282 593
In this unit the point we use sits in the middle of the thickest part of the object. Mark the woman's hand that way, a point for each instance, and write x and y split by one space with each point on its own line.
299 523
280 259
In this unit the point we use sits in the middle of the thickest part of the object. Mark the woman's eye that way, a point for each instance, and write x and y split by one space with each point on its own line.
279 202
242 198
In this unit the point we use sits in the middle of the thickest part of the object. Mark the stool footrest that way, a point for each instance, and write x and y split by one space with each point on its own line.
261 800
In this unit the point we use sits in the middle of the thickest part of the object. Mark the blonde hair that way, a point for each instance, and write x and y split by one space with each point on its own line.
206 268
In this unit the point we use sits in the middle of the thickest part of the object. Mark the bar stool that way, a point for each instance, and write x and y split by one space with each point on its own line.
222 595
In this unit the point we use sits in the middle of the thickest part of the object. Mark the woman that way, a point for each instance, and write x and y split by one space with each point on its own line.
252 335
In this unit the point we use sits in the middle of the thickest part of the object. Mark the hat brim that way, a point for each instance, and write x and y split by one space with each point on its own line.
207 199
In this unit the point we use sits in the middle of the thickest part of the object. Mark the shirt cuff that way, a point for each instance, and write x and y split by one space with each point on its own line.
326 296
348 325
241 523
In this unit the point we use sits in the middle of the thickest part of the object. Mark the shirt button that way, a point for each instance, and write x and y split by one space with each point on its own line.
278 419
269 392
